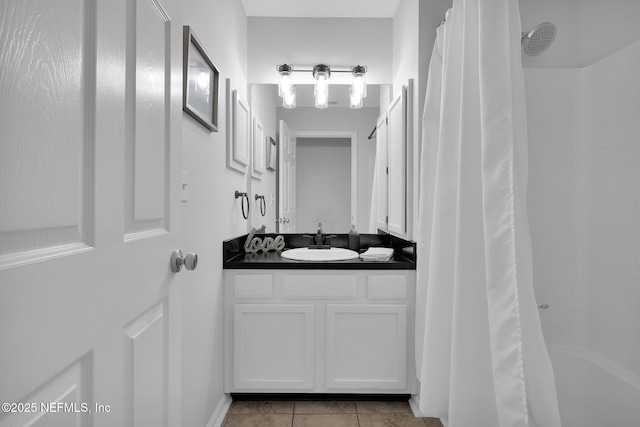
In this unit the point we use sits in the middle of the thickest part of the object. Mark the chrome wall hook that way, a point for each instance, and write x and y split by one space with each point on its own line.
263 204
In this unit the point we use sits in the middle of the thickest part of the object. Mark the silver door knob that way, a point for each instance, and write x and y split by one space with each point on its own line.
190 261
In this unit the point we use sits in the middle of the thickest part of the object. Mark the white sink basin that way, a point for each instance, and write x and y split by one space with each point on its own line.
333 254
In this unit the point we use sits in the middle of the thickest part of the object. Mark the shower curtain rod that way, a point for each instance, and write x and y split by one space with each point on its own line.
372 132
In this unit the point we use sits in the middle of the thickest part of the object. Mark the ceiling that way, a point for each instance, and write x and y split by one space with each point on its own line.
321 9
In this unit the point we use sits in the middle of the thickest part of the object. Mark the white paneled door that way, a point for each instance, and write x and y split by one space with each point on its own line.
89 179
286 180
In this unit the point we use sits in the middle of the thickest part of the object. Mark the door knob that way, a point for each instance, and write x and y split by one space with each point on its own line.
190 261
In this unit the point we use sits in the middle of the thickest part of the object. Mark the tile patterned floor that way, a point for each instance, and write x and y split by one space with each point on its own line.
324 414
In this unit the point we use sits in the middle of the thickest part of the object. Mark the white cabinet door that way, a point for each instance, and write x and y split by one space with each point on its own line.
397 142
273 347
366 347
90 129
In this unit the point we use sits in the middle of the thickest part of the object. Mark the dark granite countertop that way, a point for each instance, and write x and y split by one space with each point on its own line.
234 256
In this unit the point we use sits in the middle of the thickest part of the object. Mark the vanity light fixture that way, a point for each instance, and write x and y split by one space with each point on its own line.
321 74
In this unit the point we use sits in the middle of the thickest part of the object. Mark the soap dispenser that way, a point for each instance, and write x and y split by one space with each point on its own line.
354 239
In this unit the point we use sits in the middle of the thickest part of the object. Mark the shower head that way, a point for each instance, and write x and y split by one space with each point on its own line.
539 39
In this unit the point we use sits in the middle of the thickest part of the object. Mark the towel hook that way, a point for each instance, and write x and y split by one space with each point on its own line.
245 212
263 204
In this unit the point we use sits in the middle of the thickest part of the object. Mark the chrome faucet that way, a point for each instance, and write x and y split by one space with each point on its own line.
319 240
319 237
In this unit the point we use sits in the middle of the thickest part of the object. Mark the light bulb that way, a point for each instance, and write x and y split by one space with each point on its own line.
359 84
355 99
321 74
322 100
285 85
289 99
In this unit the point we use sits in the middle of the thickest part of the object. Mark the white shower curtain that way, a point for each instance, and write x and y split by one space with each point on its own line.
480 355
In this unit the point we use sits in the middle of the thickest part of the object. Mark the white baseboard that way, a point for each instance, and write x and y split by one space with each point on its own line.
217 418
415 407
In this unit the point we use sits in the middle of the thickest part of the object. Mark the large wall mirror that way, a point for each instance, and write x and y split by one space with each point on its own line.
330 178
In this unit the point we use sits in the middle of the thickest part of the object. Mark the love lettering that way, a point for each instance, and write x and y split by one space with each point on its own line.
255 244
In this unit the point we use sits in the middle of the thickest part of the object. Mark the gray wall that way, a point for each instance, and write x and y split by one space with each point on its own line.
323 184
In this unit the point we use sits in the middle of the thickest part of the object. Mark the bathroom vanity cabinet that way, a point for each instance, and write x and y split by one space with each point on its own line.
319 331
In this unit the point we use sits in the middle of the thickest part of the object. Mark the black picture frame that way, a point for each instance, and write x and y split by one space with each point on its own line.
200 82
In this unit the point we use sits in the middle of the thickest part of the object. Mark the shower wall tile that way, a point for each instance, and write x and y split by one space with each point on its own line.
623 256
600 206
601 160
620 232
636 128
600 230
540 119
622 182
626 282
541 163
626 306
540 140
537 205
584 203
557 314
562 141
562 206
563 118
562 184
602 343
626 356
555 292
555 334
625 331
601 81
600 305
624 108
602 132
562 84
622 157
622 206
581 296
540 185
599 275
580 314
581 246
563 163
623 75
562 249
600 253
